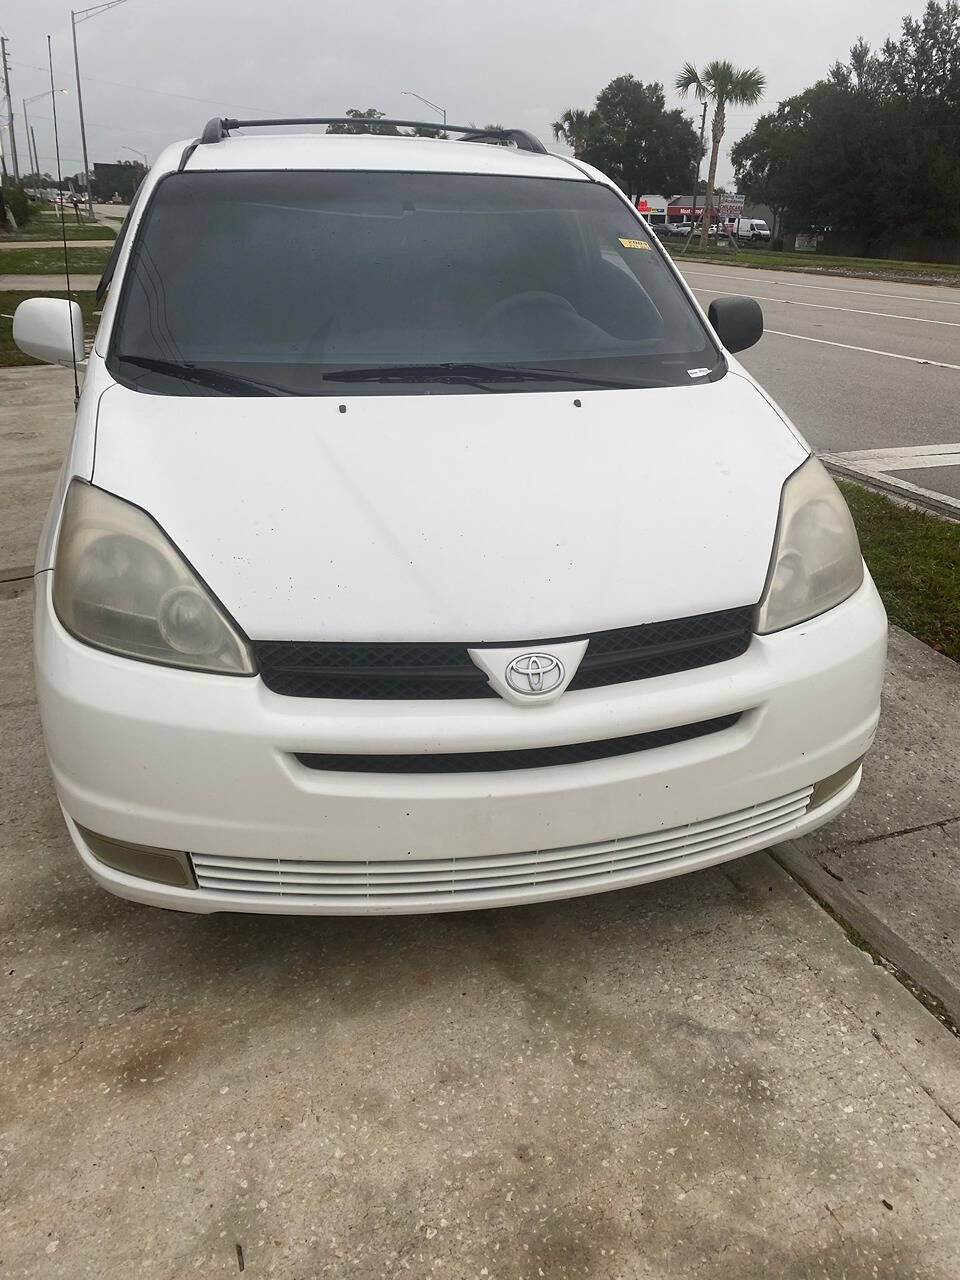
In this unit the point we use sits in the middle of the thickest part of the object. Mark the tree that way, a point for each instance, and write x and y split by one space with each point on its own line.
872 151
574 128
632 136
723 84
371 113
763 162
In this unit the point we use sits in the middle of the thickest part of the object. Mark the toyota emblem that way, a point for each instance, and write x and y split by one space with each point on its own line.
534 673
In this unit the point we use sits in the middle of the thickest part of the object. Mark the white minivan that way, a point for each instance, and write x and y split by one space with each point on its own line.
422 545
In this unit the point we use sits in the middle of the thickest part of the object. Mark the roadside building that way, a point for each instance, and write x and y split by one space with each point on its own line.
653 208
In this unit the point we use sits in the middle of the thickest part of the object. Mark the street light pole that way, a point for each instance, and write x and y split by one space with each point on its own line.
6 87
442 110
80 15
141 154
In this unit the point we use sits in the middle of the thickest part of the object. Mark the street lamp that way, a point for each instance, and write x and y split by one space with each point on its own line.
81 15
442 110
47 93
141 154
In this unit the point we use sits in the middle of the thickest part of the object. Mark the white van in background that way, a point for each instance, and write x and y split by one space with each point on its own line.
748 229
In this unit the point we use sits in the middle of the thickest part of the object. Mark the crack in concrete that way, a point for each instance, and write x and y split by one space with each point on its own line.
939 1105
942 823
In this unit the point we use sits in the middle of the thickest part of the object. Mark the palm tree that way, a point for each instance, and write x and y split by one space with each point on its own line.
720 82
574 128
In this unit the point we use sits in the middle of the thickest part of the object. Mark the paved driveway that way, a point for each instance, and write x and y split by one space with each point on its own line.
702 1077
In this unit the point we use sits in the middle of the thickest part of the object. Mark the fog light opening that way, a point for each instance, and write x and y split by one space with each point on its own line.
827 788
162 866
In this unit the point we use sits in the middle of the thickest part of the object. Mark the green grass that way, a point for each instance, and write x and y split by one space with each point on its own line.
935 272
49 229
915 562
10 300
45 262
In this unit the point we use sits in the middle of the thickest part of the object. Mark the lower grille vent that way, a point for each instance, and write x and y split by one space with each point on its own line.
524 758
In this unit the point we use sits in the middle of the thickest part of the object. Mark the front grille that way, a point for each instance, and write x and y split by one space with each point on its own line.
440 884
524 758
437 670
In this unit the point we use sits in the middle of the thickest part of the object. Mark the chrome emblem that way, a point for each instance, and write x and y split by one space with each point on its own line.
534 673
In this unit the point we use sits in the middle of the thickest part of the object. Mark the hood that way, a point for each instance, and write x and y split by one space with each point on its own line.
478 517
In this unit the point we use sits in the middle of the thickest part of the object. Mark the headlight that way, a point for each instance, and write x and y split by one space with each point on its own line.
121 585
816 559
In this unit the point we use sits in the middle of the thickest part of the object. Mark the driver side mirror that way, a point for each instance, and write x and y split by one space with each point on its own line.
738 322
49 329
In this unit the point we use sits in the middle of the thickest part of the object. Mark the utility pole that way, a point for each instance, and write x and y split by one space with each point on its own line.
83 132
81 15
696 183
6 89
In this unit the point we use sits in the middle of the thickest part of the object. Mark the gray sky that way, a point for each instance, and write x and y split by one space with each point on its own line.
515 63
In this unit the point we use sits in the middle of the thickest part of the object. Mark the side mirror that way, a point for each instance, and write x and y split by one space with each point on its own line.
49 329
738 322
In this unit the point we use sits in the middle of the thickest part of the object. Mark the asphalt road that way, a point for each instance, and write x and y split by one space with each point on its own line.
861 366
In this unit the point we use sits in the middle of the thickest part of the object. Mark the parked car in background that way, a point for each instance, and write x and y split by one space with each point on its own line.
749 229
422 545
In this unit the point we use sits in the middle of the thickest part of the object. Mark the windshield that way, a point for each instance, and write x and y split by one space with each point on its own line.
319 283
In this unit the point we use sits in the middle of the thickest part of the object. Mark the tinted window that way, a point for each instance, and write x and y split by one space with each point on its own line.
297 280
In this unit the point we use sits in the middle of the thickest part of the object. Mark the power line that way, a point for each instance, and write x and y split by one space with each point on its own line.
164 93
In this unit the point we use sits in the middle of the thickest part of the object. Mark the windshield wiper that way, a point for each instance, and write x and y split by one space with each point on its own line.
201 376
471 374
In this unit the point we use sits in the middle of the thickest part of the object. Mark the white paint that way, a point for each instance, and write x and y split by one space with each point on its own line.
880 464
791 284
470 517
903 487
871 351
826 306
904 458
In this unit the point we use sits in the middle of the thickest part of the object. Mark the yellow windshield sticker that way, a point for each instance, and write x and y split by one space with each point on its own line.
633 244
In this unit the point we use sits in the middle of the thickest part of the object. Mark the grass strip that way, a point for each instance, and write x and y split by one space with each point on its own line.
49 262
915 561
49 229
946 273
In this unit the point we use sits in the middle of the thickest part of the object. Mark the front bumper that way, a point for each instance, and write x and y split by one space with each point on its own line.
202 763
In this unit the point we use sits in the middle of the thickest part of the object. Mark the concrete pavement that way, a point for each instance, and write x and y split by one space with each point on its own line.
47 284
698 1077
860 365
54 244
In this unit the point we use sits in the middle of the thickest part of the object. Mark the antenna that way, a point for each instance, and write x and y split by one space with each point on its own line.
63 225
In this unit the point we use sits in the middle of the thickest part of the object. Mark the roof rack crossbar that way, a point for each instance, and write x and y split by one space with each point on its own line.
217 129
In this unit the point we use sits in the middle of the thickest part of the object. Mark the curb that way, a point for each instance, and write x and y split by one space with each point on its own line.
924 978
949 509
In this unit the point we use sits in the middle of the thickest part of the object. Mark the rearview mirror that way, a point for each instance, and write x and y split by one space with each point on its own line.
738 322
49 329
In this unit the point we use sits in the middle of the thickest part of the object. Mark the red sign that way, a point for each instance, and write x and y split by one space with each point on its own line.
643 205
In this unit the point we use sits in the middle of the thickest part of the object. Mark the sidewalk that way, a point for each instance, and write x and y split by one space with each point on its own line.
55 244
890 864
698 1078
48 284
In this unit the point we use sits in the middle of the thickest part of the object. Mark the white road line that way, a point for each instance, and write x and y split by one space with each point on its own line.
903 457
898 485
823 288
826 306
870 351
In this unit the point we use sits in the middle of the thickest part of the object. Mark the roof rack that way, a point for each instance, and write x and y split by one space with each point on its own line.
217 129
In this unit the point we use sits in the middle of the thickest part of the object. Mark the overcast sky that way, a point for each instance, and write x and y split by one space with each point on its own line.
155 70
